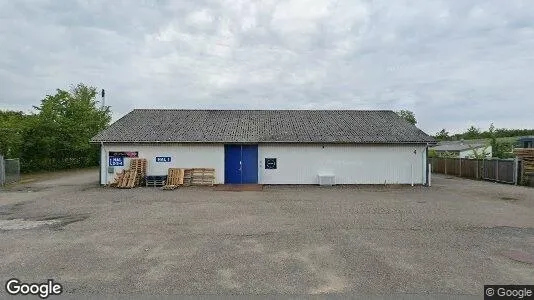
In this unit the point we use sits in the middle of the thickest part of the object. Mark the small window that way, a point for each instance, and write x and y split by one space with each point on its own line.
270 163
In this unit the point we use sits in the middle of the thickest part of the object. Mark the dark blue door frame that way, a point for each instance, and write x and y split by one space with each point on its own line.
240 164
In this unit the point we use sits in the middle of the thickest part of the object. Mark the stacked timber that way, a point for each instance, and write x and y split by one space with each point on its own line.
199 176
187 176
527 157
175 178
202 176
129 178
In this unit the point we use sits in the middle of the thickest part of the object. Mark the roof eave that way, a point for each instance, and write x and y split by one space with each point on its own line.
258 142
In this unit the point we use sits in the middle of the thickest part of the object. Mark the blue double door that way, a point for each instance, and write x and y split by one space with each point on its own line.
240 164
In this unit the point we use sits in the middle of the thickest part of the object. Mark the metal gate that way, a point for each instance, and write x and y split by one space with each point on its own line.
9 170
2 171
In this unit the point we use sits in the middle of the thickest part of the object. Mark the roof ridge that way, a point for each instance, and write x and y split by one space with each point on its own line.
238 109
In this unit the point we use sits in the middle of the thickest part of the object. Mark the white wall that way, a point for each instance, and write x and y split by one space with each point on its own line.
182 156
351 164
469 153
296 163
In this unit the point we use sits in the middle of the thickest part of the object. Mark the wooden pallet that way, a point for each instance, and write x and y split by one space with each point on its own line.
117 179
175 178
524 152
187 176
202 176
126 179
140 165
527 160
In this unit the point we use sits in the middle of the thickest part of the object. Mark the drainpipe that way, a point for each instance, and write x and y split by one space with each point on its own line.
412 173
424 158
101 165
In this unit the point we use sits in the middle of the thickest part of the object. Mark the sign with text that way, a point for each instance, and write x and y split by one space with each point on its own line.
163 159
116 161
124 153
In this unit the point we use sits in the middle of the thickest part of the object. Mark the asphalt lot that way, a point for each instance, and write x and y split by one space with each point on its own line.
451 238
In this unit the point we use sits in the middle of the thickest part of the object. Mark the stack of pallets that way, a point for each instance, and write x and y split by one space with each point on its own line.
175 178
202 176
527 158
155 181
125 179
187 176
140 165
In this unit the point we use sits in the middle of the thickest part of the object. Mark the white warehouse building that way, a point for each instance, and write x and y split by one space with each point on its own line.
270 146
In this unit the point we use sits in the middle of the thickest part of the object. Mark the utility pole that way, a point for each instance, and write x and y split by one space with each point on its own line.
103 98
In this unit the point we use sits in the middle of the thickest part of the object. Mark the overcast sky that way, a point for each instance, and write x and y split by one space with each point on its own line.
454 63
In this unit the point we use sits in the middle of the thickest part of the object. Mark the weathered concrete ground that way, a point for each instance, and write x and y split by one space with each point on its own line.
451 238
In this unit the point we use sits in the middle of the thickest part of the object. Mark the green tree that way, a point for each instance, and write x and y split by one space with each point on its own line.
472 133
12 127
499 149
479 153
442 135
448 154
408 116
59 136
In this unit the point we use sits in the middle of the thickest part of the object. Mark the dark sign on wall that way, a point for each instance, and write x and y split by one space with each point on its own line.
116 161
124 153
270 163
163 159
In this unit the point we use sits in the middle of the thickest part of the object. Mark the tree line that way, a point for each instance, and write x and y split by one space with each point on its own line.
474 133
500 149
56 136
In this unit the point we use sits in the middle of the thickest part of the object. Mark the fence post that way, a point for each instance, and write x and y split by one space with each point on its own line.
521 178
496 169
2 171
445 162
460 173
484 169
430 174
516 169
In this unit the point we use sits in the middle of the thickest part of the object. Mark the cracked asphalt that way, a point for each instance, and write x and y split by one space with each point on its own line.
449 239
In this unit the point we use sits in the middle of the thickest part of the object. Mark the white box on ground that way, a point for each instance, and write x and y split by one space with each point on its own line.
326 179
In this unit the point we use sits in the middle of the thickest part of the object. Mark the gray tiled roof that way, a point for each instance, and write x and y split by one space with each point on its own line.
457 146
262 126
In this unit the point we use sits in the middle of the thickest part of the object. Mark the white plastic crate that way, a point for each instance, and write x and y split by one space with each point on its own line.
326 179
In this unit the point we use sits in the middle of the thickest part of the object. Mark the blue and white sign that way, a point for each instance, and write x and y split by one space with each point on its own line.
116 161
163 159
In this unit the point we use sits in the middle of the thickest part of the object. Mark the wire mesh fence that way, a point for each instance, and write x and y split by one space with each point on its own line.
12 170
9 170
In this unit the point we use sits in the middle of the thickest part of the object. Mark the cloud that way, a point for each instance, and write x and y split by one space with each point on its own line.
455 63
